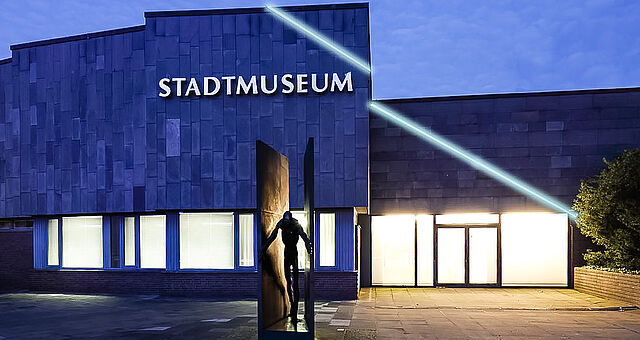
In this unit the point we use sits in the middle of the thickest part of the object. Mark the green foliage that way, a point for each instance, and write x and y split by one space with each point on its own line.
608 209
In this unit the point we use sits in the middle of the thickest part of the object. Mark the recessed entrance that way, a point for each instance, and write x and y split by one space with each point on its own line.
470 250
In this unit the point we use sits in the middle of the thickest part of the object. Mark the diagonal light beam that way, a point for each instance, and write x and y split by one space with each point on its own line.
429 136
320 39
468 157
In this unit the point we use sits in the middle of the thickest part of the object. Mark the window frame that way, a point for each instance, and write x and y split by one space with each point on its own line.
118 221
236 243
317 249
136 244
46 250
60 243
139 248
236 246
301 268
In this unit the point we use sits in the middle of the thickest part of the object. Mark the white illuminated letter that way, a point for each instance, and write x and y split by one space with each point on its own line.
314 83
178 82
263 84
193 87
206 86
340 85
163 83
286 81
252 85
302 82
228 79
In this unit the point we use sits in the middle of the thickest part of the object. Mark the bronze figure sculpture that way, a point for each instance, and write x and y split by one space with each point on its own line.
291 232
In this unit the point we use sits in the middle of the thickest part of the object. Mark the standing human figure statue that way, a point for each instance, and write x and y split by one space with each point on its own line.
291 232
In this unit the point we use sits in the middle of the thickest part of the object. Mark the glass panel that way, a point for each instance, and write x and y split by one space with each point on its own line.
483 255
393 250
534 249
246 240
425 250
451 250
153 241
206 241
302 250
129 241
327 240
52 243
82 242
467 219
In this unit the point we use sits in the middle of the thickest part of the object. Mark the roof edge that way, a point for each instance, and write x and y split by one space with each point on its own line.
509 95
249 10
5 61
78 37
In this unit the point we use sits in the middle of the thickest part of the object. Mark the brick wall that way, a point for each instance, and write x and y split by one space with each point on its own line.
335 285
328 285
16 259
604 284
16 273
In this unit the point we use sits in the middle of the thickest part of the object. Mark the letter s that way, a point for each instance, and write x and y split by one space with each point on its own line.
286 81
163 85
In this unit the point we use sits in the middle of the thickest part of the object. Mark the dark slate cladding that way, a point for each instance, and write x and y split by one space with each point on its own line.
82 129
550 140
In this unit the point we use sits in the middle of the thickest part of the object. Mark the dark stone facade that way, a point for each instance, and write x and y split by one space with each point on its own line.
82 129
550 140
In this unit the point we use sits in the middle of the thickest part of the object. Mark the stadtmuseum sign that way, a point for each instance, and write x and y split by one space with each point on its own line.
238 85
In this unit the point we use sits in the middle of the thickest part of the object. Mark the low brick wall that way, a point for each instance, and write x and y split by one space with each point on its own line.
17 273
609 285
232 285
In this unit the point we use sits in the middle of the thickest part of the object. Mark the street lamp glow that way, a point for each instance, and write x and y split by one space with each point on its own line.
468 157
320 39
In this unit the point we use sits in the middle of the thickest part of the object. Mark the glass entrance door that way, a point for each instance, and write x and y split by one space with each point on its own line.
467 255
483 255
451 255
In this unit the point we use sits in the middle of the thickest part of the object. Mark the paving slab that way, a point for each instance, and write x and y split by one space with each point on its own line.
380 313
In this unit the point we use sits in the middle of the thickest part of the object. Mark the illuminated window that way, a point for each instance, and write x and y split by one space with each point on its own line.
52 243
327 233
153 241
467 219
129 241
393 250
82 242
246 240
534 249
206 241
425 250
302 249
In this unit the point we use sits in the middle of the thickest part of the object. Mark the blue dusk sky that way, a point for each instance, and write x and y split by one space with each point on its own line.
419 48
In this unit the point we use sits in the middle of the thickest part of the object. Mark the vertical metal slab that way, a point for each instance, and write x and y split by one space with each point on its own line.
309 207
272 187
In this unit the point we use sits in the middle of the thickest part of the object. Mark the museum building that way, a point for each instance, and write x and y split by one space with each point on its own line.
127 162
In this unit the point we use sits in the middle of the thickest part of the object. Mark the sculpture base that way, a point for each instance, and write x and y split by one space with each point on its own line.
287 328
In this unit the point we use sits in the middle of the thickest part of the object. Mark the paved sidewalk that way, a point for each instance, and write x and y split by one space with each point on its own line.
463 313
485 298
380 313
